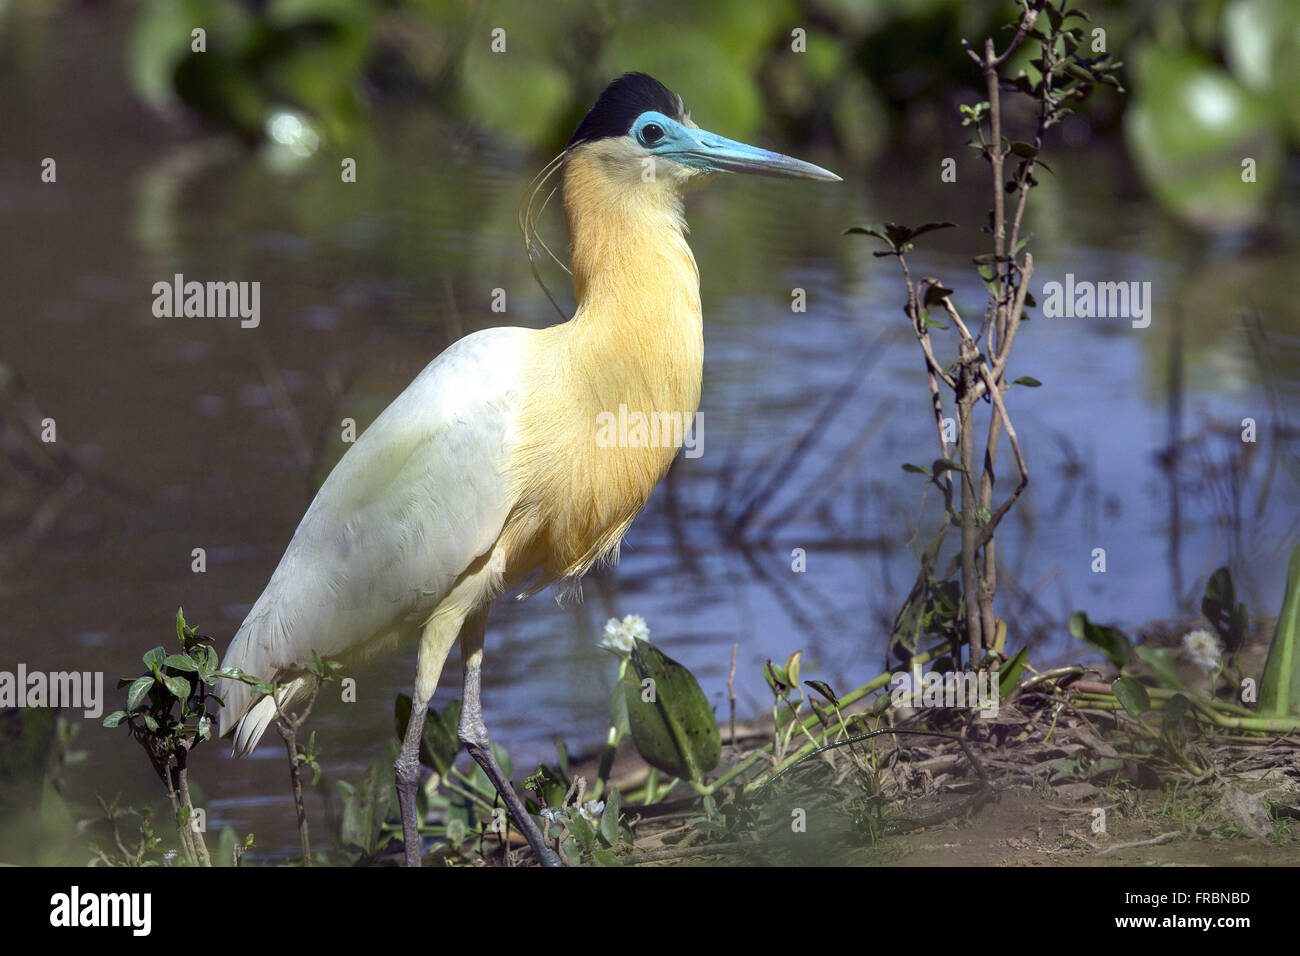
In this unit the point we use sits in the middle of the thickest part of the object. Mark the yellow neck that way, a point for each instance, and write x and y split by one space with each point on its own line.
638 330
636 340
627 235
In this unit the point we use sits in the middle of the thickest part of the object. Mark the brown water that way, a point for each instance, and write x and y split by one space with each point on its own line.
195 433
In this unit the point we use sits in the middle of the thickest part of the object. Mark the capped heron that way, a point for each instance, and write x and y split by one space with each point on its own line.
486 473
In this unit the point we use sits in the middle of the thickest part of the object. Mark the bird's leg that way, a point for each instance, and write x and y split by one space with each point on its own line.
407 767
439 634
474 735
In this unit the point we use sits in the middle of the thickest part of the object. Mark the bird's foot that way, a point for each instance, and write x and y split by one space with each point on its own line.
480 748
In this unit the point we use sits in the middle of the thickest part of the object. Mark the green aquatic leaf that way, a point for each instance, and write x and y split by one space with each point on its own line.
1132 695
1009 672
672 725
610 817
1111 641
1279 687
1188 128
366 804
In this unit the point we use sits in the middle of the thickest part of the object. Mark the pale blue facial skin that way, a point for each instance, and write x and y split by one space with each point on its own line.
709 152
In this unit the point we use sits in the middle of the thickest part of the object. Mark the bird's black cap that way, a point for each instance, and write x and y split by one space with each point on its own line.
621 103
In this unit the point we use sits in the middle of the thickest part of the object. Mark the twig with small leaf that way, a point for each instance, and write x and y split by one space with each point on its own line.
979 373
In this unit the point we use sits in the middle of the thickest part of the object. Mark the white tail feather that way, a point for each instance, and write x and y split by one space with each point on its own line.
255 721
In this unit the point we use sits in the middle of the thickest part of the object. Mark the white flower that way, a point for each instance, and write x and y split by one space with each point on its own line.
592 810
552 814
1204 650
620 636
636 627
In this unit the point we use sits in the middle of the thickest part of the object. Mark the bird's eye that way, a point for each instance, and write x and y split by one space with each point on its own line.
652 133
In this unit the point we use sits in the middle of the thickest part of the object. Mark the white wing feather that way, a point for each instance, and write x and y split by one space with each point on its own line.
417 499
